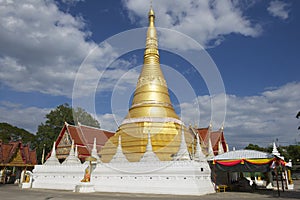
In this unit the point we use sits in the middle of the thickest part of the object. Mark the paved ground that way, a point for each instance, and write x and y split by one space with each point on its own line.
13 192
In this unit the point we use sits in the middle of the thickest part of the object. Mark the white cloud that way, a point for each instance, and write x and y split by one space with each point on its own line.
109 121
255 119
279 9
42 48
28 118
206 21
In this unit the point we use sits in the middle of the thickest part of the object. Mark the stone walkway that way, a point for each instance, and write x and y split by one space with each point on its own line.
12 192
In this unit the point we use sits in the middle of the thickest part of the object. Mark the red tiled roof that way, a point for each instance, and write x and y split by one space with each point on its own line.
32 154
6 148
8 152
83 137
203 133
215 137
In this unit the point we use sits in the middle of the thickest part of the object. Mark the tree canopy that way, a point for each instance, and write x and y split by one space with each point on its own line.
12 133
289 152
257 148
55 119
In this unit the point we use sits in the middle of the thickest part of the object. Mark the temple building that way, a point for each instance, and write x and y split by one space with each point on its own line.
216 138
14 157
83 137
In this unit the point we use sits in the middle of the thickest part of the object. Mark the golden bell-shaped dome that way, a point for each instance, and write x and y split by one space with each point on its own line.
151 111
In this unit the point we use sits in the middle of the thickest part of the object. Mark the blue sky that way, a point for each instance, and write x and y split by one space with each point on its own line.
254 45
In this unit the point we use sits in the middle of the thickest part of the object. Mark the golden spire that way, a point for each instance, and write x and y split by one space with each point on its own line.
151 109
151 97
151 52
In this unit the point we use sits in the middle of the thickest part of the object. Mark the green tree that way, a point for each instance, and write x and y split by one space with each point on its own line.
13 133
48 132
293 152
85 118
255 147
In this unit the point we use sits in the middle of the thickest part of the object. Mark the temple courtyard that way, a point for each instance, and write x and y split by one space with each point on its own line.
10 191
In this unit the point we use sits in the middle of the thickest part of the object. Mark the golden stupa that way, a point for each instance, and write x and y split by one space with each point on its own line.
151 112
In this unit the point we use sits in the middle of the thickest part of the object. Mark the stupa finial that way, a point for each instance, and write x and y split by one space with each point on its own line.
52 160
183 153
151 97
119 157
149 155
199 156
210 150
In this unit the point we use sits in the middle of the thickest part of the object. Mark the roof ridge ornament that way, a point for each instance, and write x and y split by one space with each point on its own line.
220 148
94 150
76 150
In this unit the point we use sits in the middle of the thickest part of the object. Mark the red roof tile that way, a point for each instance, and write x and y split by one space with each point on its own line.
9 151
83 137
215 137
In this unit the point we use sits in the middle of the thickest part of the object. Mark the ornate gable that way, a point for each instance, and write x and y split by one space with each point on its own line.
64 145
17 159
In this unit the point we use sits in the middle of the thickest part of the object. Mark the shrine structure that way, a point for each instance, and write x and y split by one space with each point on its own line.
152 150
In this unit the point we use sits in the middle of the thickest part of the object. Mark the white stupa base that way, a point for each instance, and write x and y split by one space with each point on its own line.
159 177
174 177
58 177
86 187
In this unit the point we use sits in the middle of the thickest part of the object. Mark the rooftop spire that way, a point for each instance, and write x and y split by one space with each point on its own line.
151 97
220 148
275 151
94 150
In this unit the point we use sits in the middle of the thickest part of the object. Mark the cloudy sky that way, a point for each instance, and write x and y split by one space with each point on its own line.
90 53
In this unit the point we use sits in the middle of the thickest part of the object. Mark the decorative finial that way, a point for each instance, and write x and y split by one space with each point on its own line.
210 125
76 151
222 127
72 145
94 152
